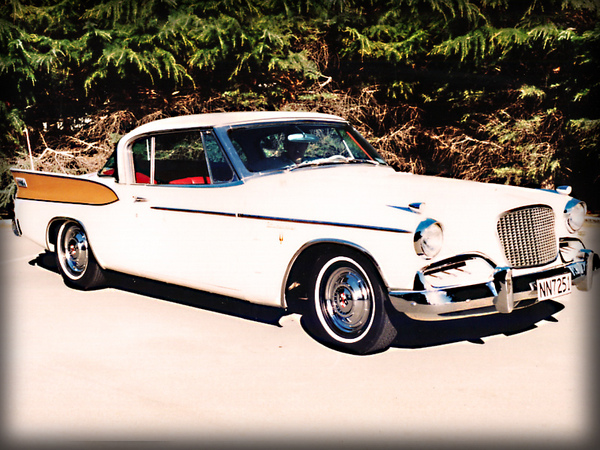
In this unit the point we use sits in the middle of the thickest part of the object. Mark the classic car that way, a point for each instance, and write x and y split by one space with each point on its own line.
298 211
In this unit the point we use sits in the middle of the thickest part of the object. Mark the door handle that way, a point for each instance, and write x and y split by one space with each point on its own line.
139 199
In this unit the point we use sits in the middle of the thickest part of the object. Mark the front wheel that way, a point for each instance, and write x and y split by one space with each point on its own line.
348 304
75 259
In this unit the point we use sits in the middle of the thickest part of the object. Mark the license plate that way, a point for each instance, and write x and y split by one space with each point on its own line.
553 287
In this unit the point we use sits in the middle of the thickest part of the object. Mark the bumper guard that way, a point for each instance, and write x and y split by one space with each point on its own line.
502 293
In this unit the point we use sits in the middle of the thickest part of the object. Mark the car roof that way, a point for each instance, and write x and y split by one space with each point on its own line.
229 119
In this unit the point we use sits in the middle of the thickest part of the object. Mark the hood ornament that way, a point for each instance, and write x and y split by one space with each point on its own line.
417 207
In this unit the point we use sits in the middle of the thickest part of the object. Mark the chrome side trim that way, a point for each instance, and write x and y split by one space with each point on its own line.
320 222
282 219
195 211
404 208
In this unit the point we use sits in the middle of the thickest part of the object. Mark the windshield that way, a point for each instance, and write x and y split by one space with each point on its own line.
294 145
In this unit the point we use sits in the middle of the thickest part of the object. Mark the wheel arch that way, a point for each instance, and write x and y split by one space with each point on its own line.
295 286
52 231
53 228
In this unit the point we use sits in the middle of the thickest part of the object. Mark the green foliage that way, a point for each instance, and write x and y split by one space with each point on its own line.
487 70
83 47
531 92
8 190
582 154
526 159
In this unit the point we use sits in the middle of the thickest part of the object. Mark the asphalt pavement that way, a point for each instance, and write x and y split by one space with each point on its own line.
148 361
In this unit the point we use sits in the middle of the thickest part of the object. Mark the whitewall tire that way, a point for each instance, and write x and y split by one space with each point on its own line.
348 304
75 259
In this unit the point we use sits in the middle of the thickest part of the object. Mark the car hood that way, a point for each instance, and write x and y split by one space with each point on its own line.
349 188
378 196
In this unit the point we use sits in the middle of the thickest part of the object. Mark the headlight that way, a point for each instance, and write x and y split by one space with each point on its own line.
575 214
429 238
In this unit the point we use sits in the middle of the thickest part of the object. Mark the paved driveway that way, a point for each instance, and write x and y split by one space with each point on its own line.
146 361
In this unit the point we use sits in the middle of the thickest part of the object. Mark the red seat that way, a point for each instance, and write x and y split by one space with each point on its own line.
142 178
191 180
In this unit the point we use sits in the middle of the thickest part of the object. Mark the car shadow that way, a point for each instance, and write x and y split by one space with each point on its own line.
180 295
411 333
414 334
419 334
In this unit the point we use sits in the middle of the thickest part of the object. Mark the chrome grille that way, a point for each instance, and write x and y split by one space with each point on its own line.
527 236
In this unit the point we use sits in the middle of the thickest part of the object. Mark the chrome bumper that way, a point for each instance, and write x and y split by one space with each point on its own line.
502 293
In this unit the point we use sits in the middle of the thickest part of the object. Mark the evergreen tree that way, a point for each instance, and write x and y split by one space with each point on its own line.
511 83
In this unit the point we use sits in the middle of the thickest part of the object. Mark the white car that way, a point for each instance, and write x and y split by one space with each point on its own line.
298 211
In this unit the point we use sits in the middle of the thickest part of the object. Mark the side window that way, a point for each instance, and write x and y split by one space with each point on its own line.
110 167
180 158
142 150
220 170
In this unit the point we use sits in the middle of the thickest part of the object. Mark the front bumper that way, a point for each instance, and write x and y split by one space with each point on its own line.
504 290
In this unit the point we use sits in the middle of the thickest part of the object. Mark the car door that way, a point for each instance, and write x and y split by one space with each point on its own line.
183 217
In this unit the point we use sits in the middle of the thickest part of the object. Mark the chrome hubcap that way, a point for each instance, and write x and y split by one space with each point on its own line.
74 251
346 301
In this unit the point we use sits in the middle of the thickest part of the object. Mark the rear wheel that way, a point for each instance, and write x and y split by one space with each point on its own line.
348 304
75 259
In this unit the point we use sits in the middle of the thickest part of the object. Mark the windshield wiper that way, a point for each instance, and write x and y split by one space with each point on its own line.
364 161
335 159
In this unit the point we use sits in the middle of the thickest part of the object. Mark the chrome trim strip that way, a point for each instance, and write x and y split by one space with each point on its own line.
195 211
404 208
282 219
416 207
319 222
193 186
64 203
